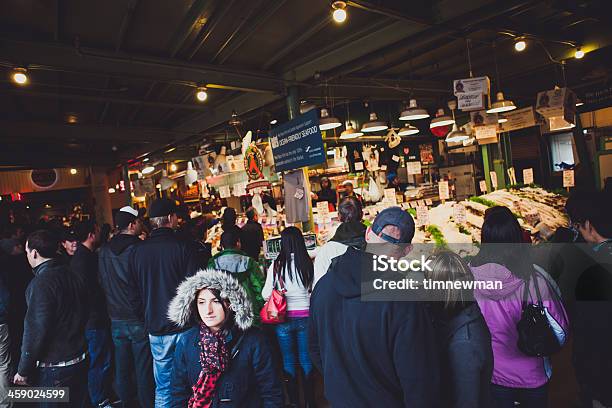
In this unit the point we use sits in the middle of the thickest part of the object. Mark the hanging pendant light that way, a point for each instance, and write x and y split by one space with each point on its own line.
328 122
350 132
441 119
408 130
501 119
413 112
456 135
374 125
501 105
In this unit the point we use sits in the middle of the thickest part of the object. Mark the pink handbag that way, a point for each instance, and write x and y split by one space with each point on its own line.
274 310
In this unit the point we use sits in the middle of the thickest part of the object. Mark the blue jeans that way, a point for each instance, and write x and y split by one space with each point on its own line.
99 375
133 360
504 397
288 333
162 349
71 377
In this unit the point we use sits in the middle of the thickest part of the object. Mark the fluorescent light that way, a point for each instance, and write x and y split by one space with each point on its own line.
579 103
501 105
374 125
413 112
148 170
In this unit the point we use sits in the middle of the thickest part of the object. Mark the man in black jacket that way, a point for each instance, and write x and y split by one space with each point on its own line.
372 353
5 351
159 265
54 349
252 235
130 338
84 263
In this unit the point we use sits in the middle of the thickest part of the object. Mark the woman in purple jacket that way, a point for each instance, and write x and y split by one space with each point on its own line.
516 376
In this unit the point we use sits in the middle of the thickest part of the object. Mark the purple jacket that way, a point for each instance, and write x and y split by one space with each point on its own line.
502 309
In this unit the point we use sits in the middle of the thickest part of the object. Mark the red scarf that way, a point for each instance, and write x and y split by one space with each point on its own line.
214 358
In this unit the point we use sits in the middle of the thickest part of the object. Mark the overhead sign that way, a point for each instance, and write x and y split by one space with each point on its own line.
254 163
557 102
297 143
485 131
471 101
479 85
519 119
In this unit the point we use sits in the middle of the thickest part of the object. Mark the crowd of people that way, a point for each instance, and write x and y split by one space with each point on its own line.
148 317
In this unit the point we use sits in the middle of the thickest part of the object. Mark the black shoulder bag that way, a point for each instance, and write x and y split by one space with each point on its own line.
536 337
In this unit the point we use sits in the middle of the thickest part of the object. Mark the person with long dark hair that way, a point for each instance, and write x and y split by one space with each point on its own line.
293 270
463 339
223 360
502 258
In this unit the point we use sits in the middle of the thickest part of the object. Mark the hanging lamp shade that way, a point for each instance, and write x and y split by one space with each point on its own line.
413 112
191 176
408 130
456 135
501 105
374 125
350 132
328 122
441 119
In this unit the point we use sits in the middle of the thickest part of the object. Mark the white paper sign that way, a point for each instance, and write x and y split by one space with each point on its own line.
383 167
395 158
224 191
422 216
470 101
323 209
239 189
459 213
443 190
568 178
483 186
358 166
479 84
512 175
485 131
519 119
390 193
528 176
413 167
493 179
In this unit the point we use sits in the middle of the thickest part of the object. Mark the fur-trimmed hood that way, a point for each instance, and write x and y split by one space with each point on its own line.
179 309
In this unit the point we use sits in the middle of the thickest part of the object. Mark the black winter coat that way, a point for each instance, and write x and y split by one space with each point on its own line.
249 382
85 264
251 239
465 349
119 286
371 353
4 300
54 327
158 265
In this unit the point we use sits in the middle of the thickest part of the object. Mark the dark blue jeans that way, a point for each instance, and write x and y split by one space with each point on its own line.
504 397
72 377
99 375
133 361
291 332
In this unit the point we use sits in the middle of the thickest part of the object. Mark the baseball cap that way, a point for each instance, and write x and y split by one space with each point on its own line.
347 182
67 234
397 217
162 207
125 216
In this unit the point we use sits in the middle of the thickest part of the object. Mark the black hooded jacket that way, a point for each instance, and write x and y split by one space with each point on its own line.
84 263
371 354
119 285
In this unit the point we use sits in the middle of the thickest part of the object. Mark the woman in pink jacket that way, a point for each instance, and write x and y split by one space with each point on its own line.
517 377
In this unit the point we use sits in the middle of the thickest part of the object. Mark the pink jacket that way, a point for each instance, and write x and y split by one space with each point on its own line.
502 309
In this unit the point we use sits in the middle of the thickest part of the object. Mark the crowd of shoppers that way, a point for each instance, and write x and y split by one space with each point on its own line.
160 322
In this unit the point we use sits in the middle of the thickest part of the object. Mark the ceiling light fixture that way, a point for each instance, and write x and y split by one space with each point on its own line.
520 44
350 132
374 125
73 171
413 112
501 119
579 53
328 122
235 120
408 130
20 76
501 105
441 119
146 159
170 150
148 170
273 122
201 93
111 190
173 167
456 135
339 13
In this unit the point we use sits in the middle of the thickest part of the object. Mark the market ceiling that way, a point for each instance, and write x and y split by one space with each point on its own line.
111 81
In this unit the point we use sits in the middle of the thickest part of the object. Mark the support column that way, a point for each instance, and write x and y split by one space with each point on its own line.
486 166
103 212
293 110
128 186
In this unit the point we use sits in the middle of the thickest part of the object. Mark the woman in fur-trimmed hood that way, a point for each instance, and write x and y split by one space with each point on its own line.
222 359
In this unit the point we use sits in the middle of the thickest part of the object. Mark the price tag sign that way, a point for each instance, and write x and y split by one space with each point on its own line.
413 167
239 189
395 158
323 209
390 195
493 179
568 178
358 166
483 186
383 167
422 215
528 176
443 190
459 213
428 201
224 191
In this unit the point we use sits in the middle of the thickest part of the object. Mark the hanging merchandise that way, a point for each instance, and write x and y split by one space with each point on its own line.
393 140
257 203
268 156
370 157
253 163
191 176
220 164
296 199
374 192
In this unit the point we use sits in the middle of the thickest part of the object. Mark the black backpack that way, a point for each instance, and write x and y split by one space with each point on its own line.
536 337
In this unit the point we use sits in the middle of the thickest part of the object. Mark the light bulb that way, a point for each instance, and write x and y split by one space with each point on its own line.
111 190
273 122
148 169
520 45
201 94
173 167
579 53
339 15
73 171
20 76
